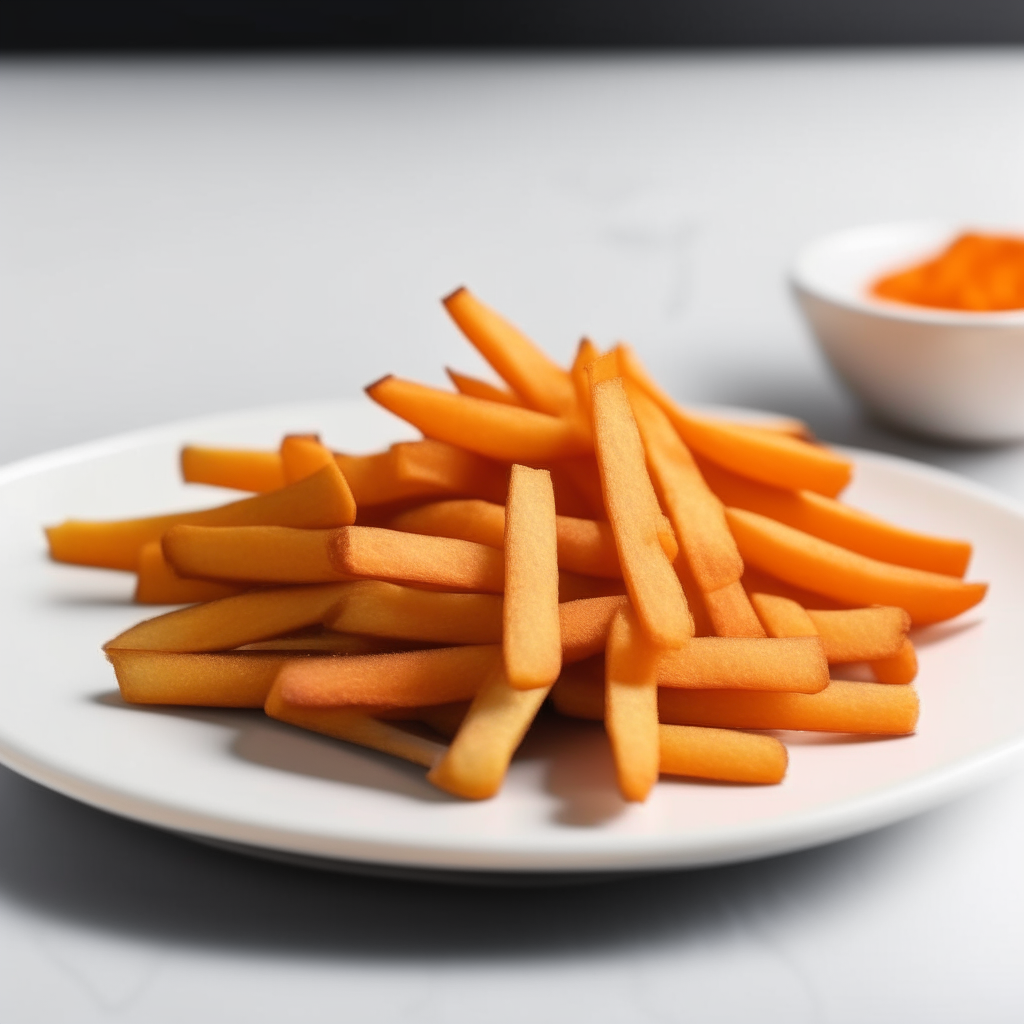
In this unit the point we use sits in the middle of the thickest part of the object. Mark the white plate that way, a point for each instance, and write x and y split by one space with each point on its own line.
239 778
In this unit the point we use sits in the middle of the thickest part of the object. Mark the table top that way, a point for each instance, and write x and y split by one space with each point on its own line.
190 236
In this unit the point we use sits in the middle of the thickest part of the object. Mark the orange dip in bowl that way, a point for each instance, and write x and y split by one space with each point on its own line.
976 272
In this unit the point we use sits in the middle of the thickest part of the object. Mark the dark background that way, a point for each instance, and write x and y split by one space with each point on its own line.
55 25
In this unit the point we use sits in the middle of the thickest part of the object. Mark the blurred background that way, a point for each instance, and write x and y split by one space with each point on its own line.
270 24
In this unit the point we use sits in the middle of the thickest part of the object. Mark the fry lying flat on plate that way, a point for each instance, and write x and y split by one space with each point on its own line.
571 538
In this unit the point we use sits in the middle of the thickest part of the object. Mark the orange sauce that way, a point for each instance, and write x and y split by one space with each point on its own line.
982 273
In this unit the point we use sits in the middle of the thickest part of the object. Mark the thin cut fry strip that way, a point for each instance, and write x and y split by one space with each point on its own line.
899 668
239 469
158 583
231 621
481 389
531 642
320 501
477 760
356 727
746 663
731 612
406 679
807 561
722 754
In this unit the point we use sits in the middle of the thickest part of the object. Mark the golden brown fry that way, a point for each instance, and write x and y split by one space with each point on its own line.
746 663
158 583
722 754
232 621
303 455
531 641
654 589
240 469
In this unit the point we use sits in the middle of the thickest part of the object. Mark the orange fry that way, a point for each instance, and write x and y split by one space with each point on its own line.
255 554
321 500
481 389
302 455
654 589
722 754
746 663
493 429
584 545
769 456
631 704
231 621
233 680
900 668
806 561
158 583
731 612
542 383
239 469
840 524
475 764
407 679
531 642
861 634
355 727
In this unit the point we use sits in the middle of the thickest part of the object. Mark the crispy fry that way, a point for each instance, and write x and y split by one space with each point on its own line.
158 583
542 383
239 469
722 754
807 561
584 625
407 679
506 432
584 545
653 587
235 680
355 727
321 500
866 708
900 668
631 704
481 389
840 524
302 455
477 761
861 634
255 554
746 663
531 641
731 612
377 608
769 456
231 621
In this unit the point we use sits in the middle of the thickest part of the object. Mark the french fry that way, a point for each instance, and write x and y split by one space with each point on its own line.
586 353
810 562
234 680
840 524
783 617
851 707
757 582
326 642
356 727
746 663
254 554
769 456
631 704
584 625
493 429
444 719
697 516
302 455
368 551
531 641
158 583
542 383
407 679
899 668
321 500
481 389
653 587
477 760
722 754
861 634
239 469
731 612
377 608
584 545
231 621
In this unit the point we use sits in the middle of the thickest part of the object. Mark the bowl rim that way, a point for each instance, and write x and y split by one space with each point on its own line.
809 252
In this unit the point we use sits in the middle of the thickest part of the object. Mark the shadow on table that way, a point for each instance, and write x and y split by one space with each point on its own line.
61 859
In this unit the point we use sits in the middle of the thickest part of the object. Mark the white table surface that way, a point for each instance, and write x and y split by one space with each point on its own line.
183 237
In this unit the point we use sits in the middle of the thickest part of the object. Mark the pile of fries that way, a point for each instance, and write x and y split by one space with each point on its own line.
574 538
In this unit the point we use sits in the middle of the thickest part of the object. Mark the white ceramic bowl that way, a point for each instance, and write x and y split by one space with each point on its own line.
945 373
